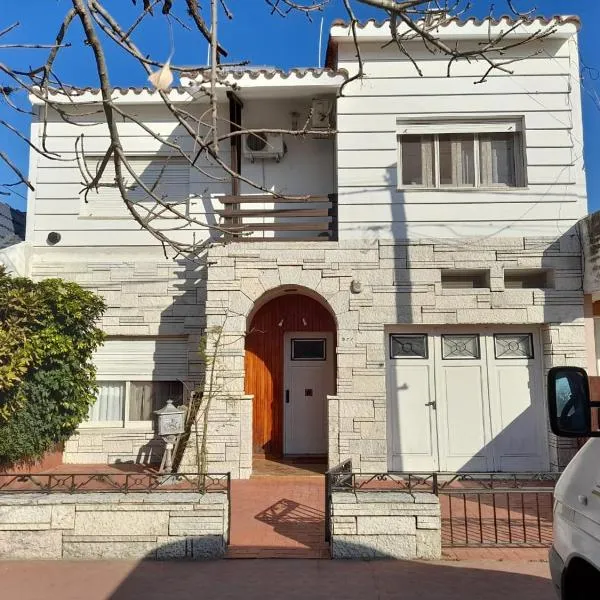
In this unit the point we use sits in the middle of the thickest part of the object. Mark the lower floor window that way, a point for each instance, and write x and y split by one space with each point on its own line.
121 402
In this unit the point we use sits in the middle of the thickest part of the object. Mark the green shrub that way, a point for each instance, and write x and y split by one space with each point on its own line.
48 334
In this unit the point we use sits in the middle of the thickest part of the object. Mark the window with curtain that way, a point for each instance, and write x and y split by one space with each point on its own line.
121 402
485 159
109 404
148 396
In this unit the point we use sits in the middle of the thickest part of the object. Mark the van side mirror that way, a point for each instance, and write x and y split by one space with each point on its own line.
569 403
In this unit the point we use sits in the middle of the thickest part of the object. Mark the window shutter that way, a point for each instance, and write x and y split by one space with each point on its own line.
432 126
142 359
167 177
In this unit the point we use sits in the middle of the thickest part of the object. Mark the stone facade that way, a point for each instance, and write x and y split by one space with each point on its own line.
150 295
383 524
160 525
400 284
108 446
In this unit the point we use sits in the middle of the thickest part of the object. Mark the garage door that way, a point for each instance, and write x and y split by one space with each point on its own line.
466 401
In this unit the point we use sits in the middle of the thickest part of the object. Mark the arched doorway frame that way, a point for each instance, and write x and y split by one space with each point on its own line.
276 313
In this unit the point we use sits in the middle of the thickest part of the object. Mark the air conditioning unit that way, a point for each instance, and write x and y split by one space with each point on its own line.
264 145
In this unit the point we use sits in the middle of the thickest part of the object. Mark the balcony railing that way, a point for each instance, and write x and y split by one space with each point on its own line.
266 218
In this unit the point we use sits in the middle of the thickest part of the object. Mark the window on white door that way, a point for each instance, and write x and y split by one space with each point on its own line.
309 349
131 403
453 158
408 346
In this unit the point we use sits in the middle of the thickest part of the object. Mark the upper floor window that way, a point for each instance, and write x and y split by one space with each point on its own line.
465 155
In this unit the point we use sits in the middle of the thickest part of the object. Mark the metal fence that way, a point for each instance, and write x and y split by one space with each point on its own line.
140 482
497 509
478 509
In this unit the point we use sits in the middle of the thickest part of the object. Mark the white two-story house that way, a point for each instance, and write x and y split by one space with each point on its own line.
403 314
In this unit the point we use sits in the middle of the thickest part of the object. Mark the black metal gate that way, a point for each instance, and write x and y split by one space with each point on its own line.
477 509
497 509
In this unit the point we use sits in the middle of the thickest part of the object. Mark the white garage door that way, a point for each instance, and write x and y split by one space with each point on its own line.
466 401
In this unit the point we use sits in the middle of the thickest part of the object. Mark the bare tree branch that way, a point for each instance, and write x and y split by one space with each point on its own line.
206 133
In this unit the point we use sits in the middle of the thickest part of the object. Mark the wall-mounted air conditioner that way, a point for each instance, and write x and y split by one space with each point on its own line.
264 145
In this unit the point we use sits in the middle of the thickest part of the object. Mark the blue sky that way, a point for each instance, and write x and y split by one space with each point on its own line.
256 35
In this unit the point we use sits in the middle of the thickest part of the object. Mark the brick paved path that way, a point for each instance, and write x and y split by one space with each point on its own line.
275 580
276 517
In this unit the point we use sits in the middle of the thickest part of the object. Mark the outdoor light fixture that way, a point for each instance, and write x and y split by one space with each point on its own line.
356 286
171 423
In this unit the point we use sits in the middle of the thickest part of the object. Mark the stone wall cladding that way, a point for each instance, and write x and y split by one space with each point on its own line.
150 295
174 525
146 295
107 446
367 525
401 285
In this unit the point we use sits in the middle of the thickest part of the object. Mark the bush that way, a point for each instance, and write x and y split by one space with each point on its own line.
48 334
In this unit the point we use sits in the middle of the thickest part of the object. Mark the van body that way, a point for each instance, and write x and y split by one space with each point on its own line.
575 554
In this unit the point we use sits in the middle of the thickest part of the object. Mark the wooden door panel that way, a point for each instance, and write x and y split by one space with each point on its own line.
265 359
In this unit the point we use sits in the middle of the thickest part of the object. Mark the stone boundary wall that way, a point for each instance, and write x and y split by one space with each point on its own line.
399 525
157 525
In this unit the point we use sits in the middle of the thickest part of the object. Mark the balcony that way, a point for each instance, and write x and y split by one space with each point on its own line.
259 218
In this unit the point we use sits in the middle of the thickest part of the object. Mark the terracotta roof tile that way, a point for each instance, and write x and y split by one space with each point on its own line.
508 19
237 75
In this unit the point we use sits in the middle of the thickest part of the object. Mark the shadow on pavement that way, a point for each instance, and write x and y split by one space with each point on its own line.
275 579
294 579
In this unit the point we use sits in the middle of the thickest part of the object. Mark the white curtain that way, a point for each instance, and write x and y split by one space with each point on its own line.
109 403
497 160
148 396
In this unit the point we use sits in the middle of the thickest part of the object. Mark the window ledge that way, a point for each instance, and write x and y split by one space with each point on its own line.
471 190
129 428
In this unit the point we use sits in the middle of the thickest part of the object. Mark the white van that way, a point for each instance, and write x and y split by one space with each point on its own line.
575 553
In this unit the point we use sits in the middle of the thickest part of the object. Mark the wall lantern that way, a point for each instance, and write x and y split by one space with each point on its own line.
171 424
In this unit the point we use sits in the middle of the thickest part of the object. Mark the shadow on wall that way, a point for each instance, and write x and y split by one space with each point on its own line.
422 300
458 438
316 579
185 317
185 321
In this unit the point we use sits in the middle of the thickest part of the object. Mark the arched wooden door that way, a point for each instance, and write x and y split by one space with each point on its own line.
266 352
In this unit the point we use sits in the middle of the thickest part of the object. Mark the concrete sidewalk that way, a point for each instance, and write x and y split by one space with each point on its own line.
276 580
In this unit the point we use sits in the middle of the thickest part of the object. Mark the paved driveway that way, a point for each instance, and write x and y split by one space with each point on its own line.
275 579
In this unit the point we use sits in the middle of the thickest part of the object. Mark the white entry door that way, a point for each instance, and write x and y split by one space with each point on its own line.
466 401
412 428
308 379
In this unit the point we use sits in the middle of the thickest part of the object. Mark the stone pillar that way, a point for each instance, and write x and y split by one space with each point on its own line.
564 344
382 524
